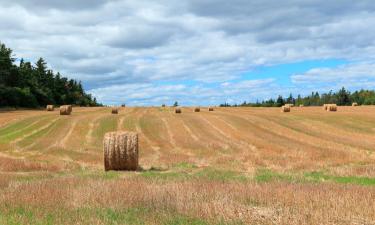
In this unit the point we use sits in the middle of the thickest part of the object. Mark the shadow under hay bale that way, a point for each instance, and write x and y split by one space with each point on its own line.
285 108
120 151
50 108
66 110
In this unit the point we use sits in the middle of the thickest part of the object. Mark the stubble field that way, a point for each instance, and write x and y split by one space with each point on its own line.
229 166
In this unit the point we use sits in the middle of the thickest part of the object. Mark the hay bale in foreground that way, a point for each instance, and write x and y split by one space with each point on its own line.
114 110
197 109
354 104
120 150
332 108
178 110
66 110
210 109
285 108
50 108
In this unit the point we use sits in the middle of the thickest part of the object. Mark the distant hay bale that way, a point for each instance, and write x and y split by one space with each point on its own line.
178 110
50 108
66 110
163 105
210 109
354 104
120 150
114 110
331 107
325 106
197 109
301 105
285 108
289 105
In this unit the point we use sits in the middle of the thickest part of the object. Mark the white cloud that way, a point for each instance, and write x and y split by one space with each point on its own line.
136 43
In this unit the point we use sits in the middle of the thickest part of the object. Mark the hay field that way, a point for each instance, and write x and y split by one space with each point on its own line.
229 166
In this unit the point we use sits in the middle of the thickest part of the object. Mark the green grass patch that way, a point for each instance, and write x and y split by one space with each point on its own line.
220 175
321 177
131 216
21 128
42 132
185 165
266 175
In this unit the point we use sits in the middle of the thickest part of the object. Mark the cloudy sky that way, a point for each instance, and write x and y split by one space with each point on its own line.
198 52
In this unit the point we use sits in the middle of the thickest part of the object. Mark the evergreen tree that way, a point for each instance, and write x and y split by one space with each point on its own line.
25 85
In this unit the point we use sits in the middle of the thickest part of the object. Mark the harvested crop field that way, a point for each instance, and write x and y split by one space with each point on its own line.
227 166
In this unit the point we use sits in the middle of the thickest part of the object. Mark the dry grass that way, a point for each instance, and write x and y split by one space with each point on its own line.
213 201
335 150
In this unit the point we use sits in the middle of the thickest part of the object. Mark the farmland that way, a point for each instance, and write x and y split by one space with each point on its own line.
229 166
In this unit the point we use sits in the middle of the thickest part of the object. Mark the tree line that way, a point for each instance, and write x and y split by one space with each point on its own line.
342 97
27 85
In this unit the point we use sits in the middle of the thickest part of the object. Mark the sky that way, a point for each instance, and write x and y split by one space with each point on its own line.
197 52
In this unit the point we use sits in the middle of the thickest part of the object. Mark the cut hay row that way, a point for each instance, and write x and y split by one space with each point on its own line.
66 110
120 150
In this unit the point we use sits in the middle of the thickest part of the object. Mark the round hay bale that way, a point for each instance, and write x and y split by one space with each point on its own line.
120 150
50 108
325 106
197 109
178 110
332 108
210 109
65 110
301 105
163 105
285 108
354 104
114 110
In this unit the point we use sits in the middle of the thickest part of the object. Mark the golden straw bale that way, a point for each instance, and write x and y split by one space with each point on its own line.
285 108
332 108
120 150
50 108
66 110
114 110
